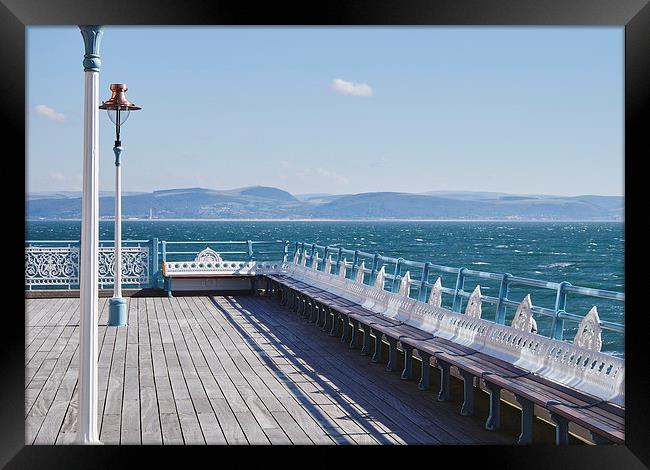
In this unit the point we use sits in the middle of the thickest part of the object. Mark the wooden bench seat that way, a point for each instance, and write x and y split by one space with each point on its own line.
604 420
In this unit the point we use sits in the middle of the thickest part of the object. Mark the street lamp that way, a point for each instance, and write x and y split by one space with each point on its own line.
119 109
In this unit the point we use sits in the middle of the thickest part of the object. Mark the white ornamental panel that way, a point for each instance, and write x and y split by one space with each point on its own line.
328 264
404 284
523 319
589 332
435 296
342 268
381 277
473 308
360 271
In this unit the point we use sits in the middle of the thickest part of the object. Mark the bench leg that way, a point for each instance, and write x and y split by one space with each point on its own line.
297 298
354 334
169 288
443 394
304 306
599 440
313 313
494 419
468 393
320 316
328 315
377 356
561 429
407 372
309 305
365 347
335 322
345 336
392 354
425 374
527 409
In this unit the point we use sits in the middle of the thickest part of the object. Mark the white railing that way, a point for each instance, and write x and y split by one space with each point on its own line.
56 266
584 369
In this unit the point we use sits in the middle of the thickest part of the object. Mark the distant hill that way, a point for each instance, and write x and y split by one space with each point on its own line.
262 202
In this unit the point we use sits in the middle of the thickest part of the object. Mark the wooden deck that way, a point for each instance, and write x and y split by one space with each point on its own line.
217 370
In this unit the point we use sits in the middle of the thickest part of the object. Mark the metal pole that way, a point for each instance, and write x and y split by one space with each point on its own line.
118 228
87 432
117 307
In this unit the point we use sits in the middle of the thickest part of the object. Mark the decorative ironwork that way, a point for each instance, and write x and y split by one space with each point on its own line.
135 265
51 266
435 296
208 255
381 276
59 266
328 265
342 268
589 332
523 319
473 308
404 284
360 272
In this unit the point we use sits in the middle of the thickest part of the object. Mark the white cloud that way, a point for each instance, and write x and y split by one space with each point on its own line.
341 179
57 176
49 113
323 174
351 88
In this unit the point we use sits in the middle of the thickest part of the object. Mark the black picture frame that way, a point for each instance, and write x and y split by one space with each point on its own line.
634 15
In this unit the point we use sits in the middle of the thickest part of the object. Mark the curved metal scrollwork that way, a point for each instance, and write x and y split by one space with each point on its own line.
59 266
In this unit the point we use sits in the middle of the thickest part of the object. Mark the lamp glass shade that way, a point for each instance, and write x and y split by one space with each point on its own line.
123 115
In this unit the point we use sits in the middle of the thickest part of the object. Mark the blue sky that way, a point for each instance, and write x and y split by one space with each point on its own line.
338 110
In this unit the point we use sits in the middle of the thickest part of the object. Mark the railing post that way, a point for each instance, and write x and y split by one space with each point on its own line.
557 329
503 295
285 255
155 268
460 284
355 258
396 274
313 250
373 273
249 245
325 252
338 260
163 250
422 294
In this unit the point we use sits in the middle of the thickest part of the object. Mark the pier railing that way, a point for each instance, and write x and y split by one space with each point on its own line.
550 307
54 264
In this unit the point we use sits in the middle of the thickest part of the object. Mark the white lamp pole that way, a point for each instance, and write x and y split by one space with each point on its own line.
117 307
119 108
88 275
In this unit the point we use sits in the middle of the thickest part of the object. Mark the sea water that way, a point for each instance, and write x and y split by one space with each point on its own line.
585 254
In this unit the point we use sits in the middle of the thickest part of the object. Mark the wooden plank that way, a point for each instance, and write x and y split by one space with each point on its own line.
396 412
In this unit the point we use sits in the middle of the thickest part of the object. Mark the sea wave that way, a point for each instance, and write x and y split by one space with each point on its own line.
556 265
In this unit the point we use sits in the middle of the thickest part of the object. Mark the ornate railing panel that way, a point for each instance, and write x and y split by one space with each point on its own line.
135 265
51 266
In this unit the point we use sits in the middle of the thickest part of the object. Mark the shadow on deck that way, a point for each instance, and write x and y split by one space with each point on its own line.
216 370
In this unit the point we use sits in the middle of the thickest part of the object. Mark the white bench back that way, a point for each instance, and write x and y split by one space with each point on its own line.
592 372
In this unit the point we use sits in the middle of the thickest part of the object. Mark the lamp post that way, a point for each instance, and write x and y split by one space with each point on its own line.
119 108
88 267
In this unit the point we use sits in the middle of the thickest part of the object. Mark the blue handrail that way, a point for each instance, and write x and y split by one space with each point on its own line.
558 314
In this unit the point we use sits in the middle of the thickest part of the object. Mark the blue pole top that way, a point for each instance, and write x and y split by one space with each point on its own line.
92 35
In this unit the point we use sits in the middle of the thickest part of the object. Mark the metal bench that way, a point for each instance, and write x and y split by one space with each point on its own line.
347 316
209 272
